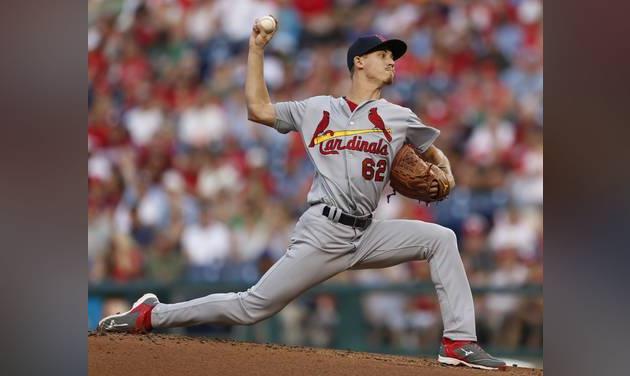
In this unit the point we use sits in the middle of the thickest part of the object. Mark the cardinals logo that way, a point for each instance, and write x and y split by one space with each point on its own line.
330 142
376 119
321 127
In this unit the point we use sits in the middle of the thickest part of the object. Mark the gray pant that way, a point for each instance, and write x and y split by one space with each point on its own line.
319 249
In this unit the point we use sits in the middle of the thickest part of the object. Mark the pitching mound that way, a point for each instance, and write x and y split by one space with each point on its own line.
166 355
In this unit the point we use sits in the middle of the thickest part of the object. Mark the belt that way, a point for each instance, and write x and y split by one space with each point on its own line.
337 215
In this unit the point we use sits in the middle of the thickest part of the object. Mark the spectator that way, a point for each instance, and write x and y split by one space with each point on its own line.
513 231
423 317
151 201
509 273
144 120
526 183
476 254
217 175
204 123
491 140
125 259
252 234
207 246
164 261
202 22
181 204
236 16
99 235
322 324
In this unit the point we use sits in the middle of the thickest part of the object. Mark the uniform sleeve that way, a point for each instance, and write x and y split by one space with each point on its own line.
420 135
289 115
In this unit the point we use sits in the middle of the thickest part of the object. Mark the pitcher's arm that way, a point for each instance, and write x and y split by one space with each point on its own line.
259 106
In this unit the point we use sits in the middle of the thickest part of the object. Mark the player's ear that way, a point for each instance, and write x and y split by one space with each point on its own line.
358 61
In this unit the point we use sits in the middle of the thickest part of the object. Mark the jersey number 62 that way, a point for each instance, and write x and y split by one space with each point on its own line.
369 171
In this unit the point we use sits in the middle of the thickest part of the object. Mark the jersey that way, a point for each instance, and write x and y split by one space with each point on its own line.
351 150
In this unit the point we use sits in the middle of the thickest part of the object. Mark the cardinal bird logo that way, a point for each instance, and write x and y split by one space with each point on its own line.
375 119
321 127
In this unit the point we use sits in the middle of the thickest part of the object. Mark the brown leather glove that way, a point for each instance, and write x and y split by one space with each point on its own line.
412 176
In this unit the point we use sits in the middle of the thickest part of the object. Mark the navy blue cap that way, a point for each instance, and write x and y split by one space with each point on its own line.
374 42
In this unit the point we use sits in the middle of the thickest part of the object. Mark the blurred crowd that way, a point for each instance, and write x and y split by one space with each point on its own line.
183 187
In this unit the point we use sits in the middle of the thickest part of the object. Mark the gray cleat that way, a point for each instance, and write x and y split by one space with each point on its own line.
136 320
469 354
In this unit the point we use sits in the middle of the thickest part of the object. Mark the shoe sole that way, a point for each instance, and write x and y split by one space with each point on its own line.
456 362
142 299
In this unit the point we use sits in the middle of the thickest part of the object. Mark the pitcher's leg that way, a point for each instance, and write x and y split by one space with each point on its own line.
391 242
300 268
453 290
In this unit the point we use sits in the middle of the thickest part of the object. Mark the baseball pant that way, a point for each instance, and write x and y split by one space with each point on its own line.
319 249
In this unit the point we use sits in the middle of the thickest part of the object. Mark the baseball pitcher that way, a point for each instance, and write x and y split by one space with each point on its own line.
352 142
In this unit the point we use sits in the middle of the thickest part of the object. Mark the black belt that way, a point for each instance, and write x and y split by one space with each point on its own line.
346 219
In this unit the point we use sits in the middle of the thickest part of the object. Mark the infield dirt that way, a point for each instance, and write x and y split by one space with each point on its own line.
168 355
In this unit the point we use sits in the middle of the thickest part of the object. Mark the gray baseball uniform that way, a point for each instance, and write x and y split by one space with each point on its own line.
352 151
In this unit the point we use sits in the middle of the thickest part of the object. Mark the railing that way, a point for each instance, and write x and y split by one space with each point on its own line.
352 326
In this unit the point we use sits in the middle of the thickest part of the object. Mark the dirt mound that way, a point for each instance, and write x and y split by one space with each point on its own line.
157 355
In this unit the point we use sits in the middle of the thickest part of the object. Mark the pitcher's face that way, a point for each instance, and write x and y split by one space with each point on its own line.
379 66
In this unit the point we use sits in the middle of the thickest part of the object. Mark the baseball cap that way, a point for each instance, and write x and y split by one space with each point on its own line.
374 42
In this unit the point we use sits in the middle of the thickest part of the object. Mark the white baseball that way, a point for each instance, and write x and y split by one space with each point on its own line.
267 24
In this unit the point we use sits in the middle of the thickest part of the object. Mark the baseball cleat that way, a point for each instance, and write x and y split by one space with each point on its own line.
467 353
136 320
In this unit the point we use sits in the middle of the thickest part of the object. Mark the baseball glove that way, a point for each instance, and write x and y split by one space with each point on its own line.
412 176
